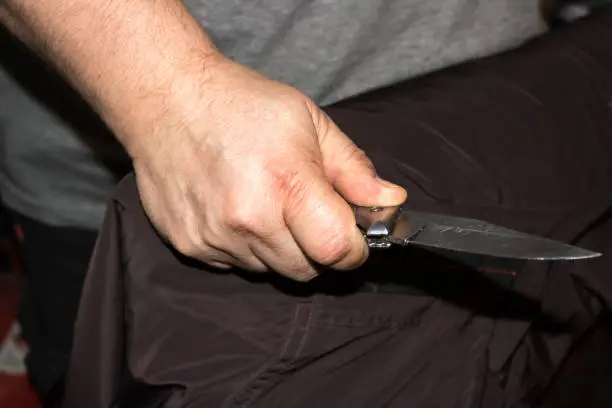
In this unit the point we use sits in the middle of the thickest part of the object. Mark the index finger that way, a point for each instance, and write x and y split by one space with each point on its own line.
323 223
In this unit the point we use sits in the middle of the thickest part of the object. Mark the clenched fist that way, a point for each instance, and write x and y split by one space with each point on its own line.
256 176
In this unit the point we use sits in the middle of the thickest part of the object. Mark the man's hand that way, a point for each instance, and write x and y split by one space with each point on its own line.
258 177
233 168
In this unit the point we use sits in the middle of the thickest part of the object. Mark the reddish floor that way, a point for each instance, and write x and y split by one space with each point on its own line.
14 390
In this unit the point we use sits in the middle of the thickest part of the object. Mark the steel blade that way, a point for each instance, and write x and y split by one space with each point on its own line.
478 237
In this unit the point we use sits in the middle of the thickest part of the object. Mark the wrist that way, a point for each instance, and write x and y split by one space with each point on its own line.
163 108
138 63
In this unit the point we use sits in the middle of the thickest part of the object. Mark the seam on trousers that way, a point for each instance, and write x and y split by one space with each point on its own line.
266 376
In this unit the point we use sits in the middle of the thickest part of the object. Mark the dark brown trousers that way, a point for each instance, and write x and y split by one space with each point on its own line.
522 139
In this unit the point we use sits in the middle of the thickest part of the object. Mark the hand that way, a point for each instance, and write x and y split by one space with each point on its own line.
254 175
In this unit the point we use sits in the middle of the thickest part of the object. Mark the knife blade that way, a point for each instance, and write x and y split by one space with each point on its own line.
387 226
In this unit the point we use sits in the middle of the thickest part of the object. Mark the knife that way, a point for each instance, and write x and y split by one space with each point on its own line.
384 227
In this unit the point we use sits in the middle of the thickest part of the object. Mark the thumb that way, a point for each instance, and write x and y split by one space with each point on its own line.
352 174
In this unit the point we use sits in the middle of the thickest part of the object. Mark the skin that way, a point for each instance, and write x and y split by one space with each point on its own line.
204 133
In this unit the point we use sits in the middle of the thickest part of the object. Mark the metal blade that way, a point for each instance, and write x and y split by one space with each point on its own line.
478 237
384 226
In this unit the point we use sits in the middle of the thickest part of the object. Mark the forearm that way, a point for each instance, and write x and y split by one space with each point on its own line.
133 60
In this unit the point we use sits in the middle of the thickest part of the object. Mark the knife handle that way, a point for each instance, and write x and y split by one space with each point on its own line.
376 222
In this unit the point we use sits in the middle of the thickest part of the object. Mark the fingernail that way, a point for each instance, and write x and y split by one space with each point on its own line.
392 192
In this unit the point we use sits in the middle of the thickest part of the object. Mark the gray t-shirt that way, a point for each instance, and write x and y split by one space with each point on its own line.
330 49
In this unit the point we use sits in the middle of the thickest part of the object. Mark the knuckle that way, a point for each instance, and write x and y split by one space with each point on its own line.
356 154
333 249
244 220
192 244
186 247
292 185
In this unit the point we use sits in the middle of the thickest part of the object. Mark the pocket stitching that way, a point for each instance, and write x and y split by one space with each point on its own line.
264 377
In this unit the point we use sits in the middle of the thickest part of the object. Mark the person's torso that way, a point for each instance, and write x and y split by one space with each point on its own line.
334 49
329 49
